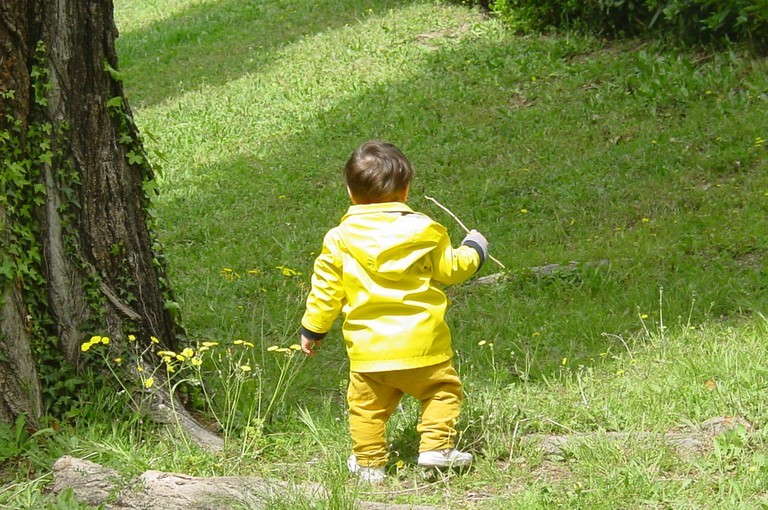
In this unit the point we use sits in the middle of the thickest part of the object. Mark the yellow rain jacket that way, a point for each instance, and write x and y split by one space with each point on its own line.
383 267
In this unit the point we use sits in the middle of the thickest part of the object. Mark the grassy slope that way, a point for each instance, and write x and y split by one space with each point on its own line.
650 161
647 161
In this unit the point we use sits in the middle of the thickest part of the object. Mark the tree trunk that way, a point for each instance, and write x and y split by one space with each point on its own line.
78 255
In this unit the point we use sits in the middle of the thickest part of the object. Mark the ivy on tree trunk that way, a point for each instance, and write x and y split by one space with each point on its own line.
78 254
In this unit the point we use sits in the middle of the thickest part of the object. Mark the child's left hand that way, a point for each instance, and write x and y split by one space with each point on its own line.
308 346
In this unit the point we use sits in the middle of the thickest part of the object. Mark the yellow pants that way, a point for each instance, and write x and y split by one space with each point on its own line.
373 397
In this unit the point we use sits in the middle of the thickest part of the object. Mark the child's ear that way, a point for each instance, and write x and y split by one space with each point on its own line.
404 196
351 198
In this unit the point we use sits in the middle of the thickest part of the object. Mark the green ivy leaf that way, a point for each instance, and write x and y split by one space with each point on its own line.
46 157
7 269
113 73
115 102
135 158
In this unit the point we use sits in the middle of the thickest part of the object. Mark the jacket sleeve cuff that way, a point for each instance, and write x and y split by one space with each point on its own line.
312 335
479 249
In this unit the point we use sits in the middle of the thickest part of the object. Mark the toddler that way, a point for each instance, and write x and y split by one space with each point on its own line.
383 268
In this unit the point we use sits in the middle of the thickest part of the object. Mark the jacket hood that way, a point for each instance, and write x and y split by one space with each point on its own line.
388 238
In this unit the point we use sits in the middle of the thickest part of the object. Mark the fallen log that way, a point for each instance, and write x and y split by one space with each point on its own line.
539 271
93 484
685 443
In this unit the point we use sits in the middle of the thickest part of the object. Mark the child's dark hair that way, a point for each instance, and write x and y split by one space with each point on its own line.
377 172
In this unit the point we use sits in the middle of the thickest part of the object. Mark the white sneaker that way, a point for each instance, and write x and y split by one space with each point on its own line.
370 474
452 458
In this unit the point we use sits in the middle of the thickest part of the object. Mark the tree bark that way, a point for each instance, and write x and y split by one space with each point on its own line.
19 387
113 238
78 255
18 378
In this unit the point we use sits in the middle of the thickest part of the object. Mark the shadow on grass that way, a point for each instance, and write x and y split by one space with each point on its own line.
484 135
194 47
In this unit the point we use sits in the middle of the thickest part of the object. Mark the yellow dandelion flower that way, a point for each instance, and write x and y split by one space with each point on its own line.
248 344
170 369
154 340
165 354
85 346
139 369
564 362
645 220
95 339
523 211
196 362
167 360
254 272
295 347
644 316
239 342
210 344
481 342
203 349
148 382
181 357
287 271
118 360
131 338
187 352
272 348
105 340
229 274
620 372
245 368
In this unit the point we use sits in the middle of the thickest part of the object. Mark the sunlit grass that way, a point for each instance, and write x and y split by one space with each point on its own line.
644 165
641 164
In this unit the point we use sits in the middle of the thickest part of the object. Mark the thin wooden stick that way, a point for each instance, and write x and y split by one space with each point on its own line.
444 208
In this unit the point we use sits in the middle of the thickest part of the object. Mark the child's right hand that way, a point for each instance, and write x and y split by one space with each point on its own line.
476 237
308 346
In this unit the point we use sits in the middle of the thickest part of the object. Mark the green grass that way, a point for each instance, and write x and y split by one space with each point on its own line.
645 164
